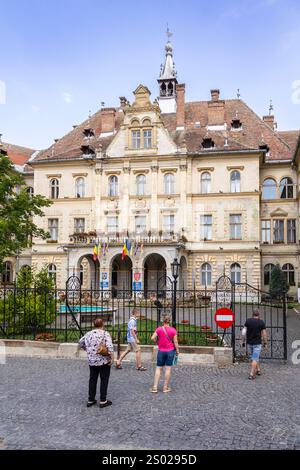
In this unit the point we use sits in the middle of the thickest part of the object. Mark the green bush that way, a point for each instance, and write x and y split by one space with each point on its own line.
30 305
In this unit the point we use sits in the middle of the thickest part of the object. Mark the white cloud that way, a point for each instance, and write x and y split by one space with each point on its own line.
67 97
35 108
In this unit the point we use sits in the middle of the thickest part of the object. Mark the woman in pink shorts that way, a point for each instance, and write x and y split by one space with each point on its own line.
166 338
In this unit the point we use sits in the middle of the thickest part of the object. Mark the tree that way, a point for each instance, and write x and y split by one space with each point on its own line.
278 283
17 208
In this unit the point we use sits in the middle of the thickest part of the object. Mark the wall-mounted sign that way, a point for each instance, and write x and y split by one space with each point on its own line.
104 282
137 286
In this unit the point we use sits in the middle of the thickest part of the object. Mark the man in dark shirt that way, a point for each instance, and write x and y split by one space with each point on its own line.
255 333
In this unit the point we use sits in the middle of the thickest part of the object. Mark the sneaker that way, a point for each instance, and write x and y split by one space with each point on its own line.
91 403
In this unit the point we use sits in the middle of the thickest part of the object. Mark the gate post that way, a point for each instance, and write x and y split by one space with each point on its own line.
284 327
233 326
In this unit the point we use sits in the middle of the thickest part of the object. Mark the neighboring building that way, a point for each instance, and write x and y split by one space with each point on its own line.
208 182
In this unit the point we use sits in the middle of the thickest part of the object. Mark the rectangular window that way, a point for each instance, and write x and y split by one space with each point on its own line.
291 231
79 225
278 231
169 222
140 224
266 231
112 225
206 227
53 229
235 227
136 139
147 139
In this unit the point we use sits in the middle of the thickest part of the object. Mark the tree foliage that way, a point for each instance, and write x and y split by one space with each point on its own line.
30 306
17 208
278 284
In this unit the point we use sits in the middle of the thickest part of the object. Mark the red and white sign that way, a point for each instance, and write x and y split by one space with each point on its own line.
137 277
224 318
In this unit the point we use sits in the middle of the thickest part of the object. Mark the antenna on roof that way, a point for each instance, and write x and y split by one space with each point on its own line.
238 94
271 108
169 34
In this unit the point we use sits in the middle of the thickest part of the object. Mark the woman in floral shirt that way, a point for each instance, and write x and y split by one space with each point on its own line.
98 364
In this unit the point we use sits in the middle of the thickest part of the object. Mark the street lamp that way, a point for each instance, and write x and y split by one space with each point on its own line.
175 273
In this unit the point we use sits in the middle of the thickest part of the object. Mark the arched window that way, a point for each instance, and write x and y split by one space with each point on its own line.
205 183
7 273
113 186
286 188
235 273
235 182
30 191
267 273
206 274
269 189
141 185
169 183
289 274
52 271
54 188
79 187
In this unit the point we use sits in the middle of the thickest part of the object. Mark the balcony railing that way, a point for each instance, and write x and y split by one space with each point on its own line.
120 237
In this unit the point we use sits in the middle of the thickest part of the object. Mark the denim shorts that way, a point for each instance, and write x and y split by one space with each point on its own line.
165 358
255 350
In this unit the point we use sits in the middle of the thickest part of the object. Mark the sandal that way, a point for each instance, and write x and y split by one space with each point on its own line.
141 368
251 377
118 366
166 390
154 390
258 372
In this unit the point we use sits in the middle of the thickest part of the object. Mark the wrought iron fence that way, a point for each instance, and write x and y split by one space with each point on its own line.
64 315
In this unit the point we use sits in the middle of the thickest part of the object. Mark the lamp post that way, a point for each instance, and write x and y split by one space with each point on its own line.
175 273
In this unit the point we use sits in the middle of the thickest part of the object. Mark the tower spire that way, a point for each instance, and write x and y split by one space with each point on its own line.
168 79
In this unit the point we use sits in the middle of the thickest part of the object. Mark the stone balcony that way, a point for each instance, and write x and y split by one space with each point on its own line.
118 238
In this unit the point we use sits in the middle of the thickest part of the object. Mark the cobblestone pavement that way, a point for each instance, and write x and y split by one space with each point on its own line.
43 406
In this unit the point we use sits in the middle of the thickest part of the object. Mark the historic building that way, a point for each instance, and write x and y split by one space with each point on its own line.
207 182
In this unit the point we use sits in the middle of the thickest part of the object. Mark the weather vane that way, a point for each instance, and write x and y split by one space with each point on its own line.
169 34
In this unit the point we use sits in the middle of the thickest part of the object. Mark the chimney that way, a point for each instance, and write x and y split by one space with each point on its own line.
108 120
215 95
180 113
123 102
216 109
270 121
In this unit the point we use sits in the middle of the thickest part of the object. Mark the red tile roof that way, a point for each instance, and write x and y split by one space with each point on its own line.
18 155
254 133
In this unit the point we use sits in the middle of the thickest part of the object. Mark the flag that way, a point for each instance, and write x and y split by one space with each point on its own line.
124 252
95 252
136 248
128 245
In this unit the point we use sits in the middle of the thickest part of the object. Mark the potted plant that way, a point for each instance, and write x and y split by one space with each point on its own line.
205 328
206 299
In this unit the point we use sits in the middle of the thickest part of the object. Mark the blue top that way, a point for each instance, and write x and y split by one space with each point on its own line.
132 325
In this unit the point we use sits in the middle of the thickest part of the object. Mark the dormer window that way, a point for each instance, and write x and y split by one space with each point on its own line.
265 148
208 143
88 133
87 151
236 124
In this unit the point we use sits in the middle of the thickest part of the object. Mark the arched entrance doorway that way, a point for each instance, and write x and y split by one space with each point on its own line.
183 274
155 273
121 276
88 272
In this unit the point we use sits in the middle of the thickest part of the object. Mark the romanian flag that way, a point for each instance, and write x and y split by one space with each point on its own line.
95 252
124 252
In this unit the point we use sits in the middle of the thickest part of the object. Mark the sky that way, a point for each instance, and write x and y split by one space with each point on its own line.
60 60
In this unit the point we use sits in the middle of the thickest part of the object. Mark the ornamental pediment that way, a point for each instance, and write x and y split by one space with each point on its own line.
279 213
